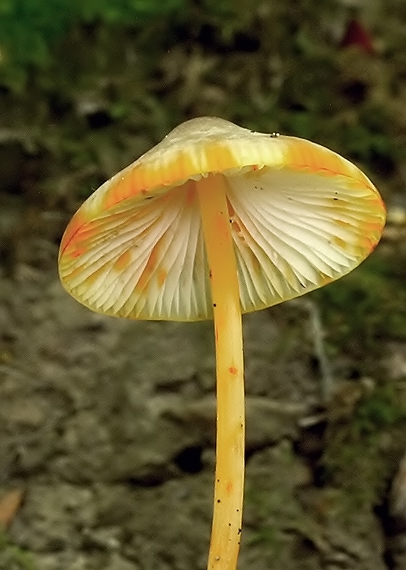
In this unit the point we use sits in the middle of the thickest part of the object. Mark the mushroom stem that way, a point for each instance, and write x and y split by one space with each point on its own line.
229 479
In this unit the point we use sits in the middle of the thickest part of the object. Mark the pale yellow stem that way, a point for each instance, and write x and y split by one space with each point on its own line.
229 479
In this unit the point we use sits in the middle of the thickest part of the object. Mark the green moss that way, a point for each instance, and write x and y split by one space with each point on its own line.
365 307
378 411
12 557
262 65
363 445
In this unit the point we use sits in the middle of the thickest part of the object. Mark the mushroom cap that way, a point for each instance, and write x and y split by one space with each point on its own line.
301 216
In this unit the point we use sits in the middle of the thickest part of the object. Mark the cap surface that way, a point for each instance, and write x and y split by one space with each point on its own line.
301 216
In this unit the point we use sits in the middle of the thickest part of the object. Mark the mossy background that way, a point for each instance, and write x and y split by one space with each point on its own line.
86 87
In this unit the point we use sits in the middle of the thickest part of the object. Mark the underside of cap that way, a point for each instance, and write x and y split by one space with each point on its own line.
301 216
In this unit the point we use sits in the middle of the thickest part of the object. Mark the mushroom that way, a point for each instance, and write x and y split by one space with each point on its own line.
213 222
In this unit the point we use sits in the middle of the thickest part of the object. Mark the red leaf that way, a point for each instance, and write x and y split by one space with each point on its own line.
356 35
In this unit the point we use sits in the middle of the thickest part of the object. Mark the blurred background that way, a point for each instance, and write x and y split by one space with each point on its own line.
107 427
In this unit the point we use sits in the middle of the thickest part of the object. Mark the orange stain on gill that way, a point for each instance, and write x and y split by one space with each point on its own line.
162 274
233 370
123 261
77 250
256 266
148 270
236 227
340 242
91 279
70 246
231 211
